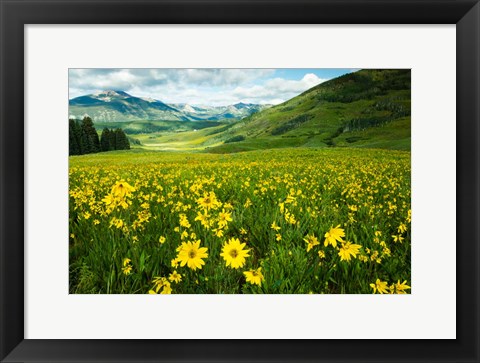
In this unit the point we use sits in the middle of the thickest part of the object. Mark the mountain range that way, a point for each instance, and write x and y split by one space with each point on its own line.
119 106
367 108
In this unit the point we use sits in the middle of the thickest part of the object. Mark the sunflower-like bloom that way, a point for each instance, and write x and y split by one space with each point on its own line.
184 221
234 254
380 286
399 287
175 262
348 250
275 226
127 270
333 235
175 277
127 266
311 241
160 283
402 228
167 289
397 238
223 218
191 254
254 276
122 189
209 201
203 218
126 261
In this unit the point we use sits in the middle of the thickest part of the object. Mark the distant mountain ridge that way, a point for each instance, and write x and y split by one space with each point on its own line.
217 113
119 106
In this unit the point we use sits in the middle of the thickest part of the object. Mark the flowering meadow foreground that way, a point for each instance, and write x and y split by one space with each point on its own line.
290 221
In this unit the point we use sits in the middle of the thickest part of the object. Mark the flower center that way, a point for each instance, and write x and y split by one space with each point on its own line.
233 253
254 273
192 254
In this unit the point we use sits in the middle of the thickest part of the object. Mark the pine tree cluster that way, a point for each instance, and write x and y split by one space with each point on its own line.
114 140
83 138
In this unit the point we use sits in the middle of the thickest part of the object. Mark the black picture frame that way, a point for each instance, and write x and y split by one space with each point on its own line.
15 14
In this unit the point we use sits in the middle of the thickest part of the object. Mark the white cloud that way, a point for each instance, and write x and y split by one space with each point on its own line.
195 86
278 88
272 101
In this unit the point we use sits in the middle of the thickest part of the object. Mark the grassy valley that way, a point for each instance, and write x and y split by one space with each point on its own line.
366 109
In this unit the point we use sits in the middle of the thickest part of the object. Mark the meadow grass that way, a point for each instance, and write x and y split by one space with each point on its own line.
312 220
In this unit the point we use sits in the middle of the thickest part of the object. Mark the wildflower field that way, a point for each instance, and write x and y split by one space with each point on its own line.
289 221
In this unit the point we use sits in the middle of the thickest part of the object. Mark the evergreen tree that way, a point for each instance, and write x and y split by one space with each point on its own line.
89 138
126 142
80 139
73 138
83 138
105 140
96 141
111 140
86 142
121 140
75 145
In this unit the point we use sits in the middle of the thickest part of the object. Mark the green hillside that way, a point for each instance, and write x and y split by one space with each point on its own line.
368 108
152 126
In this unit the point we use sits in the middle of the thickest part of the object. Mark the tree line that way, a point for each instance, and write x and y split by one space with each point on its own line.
83 138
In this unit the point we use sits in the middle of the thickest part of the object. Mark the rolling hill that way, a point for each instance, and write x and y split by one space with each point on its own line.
368 108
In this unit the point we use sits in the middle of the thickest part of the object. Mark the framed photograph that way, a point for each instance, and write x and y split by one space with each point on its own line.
197 193
239 181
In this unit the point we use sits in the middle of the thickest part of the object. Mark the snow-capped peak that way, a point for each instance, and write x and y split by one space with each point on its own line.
107 95
149 99
188 108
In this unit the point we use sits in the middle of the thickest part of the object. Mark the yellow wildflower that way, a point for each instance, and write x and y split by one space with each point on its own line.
223 218
175 277
254 276
127 266
311 241
191 254
234 254
380 286
348 250
397 238
399 287
333 235
274 226
122 189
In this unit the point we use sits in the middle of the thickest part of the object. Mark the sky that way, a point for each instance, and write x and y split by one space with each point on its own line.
202 86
